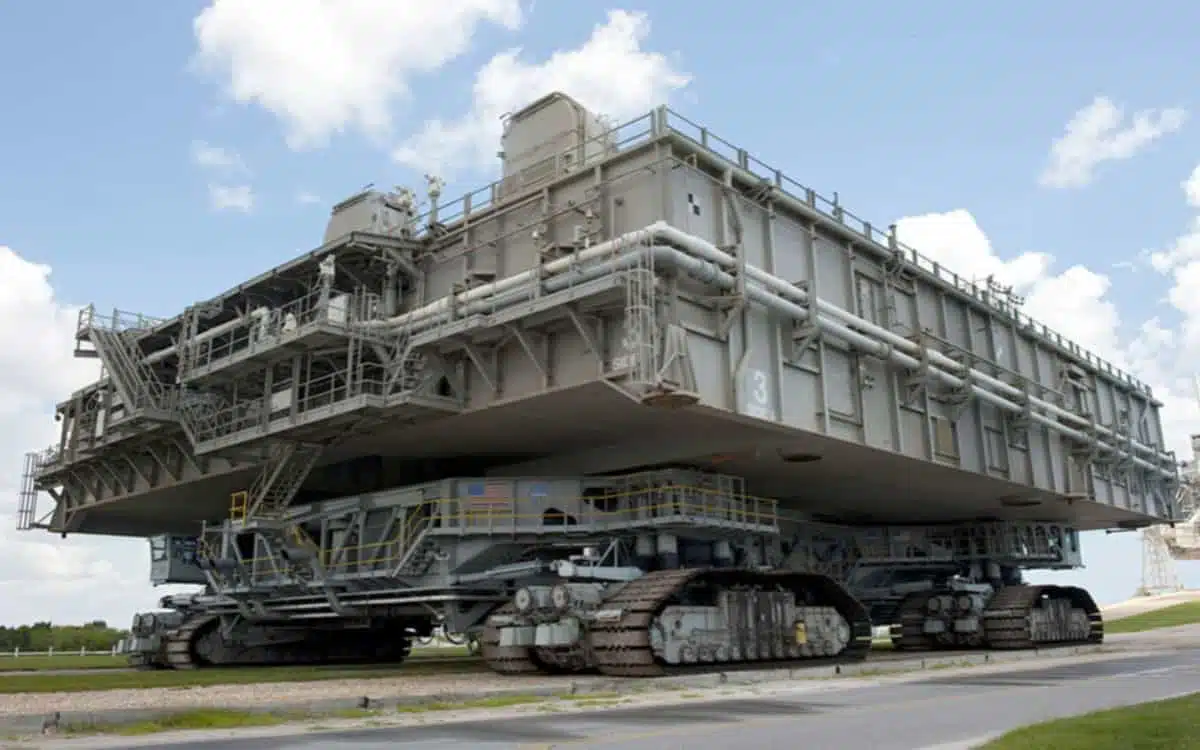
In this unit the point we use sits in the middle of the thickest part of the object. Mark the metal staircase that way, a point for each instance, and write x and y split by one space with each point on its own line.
27 501
280 478
417 550
139 387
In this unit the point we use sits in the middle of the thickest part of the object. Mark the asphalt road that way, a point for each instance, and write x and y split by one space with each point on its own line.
944 712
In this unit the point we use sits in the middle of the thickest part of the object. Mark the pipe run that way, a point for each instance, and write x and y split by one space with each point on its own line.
789 291
704 262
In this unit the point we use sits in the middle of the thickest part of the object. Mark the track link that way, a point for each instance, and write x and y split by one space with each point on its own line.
180 643
513 660
622 648
908 634
1007 620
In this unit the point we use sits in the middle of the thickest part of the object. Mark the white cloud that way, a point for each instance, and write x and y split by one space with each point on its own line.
323 67
1191 188
610 74
1097 134
306 198
231 198
44 577
1075 302
217 158
1071 301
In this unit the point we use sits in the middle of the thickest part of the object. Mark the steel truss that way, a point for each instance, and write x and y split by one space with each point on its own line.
322 349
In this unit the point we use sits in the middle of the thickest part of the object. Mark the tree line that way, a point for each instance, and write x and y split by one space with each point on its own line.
44 636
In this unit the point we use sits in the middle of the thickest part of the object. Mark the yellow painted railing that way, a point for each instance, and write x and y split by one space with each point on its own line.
238 506
448 513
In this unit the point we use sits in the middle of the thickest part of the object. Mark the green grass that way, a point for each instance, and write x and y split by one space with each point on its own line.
1187 613
500 701
110 680
186 720
61 661
104 661
1164 725
210 719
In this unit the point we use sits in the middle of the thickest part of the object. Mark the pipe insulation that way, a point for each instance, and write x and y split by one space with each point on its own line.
710 252
704 261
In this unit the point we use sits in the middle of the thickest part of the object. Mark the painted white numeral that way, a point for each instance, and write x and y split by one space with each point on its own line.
760 387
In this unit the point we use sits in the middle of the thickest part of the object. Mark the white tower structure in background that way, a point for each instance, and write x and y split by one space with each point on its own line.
1163 545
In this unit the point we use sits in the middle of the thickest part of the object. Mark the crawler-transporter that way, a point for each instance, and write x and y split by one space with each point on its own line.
642 405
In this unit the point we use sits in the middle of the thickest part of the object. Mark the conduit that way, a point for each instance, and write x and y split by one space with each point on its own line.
704 262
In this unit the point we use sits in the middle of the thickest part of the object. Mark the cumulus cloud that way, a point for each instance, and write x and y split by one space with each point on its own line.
323 68
1191 188
1098 133
1071 301
227 166
611 74
1074 301
41 576
218 158
231 198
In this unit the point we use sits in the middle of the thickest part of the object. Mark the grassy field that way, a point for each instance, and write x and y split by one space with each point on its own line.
60 661
1187 613
102 679
104 661
1165 725
208 719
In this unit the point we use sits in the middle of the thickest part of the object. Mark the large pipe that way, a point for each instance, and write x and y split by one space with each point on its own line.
768 290
885 351
892 344
205 335
710 252
707 270
812 213
517 281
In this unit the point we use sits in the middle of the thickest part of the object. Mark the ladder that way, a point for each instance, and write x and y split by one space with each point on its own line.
416 550
27 500
280 478
139 387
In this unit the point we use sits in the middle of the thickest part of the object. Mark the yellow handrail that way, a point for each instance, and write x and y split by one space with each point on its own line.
735 507
239 503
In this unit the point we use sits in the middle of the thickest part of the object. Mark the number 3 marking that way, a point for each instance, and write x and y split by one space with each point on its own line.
760 387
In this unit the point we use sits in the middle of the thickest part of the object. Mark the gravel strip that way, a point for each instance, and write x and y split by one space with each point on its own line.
449 687
267 693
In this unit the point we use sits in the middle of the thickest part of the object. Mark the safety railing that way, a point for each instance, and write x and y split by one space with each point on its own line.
34 656
318 393
1032 541
265 329
117 320
599 512
621 137
833 210
646 127
239 505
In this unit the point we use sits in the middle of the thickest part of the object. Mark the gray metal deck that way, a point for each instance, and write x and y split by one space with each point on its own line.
654 295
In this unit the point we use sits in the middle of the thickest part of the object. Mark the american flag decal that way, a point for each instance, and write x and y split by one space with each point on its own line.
488 497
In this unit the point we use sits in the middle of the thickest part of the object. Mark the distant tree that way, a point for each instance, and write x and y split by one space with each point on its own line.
44 636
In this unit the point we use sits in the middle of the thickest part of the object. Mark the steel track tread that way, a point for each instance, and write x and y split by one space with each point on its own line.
622 648
512 660
178 648
1007 622
909 633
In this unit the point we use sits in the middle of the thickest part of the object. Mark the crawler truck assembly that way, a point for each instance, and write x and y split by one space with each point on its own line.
642 405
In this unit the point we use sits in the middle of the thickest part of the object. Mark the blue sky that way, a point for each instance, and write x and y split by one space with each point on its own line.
905 110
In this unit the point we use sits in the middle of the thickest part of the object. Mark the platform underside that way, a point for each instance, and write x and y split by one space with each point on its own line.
596 428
